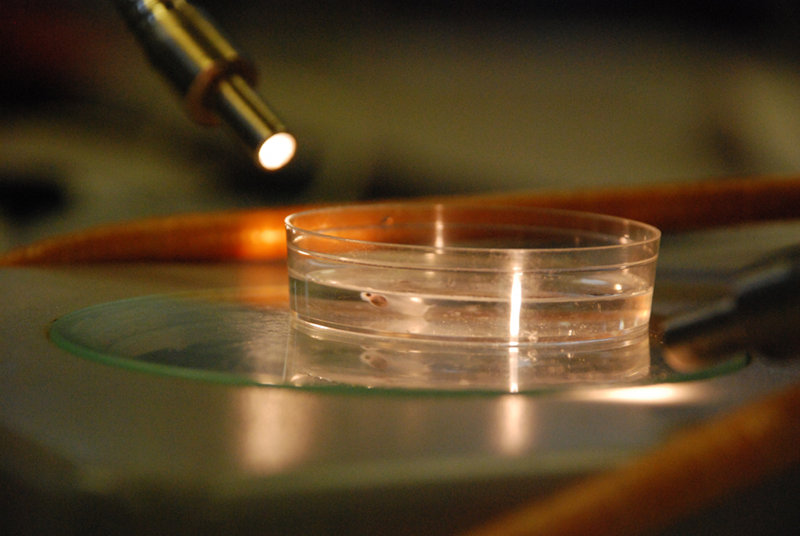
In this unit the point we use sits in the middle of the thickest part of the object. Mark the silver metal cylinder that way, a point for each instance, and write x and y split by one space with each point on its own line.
214 80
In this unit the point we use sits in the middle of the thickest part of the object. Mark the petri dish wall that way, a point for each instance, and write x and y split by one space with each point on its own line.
534 280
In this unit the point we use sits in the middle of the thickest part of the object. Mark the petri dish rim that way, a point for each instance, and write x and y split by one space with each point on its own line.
652 234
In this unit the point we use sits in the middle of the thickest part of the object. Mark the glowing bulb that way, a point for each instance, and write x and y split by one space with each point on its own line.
276 151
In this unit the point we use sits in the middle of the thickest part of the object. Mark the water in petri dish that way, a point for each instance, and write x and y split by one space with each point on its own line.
579 307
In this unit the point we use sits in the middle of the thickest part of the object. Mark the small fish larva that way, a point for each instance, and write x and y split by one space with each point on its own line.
397 304
374 360
378 300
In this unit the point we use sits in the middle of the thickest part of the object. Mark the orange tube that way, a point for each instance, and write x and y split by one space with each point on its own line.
258 234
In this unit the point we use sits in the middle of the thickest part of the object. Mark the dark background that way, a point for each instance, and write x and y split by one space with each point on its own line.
395 99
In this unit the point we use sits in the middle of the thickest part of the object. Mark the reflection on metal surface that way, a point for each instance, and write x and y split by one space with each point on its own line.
273 436
516 425
665 393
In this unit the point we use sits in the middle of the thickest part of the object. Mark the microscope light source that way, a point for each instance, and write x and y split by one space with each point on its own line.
276 151
215 81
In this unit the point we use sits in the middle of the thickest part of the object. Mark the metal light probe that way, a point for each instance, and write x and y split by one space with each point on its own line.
760 313
215 81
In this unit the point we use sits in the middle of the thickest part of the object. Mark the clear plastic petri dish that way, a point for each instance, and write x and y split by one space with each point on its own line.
470 274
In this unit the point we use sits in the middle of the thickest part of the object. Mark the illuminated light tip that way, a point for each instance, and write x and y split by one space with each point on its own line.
276 151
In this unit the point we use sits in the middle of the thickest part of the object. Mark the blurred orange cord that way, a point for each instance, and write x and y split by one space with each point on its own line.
258 234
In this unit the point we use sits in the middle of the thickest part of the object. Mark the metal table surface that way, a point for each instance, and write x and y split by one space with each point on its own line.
89 447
